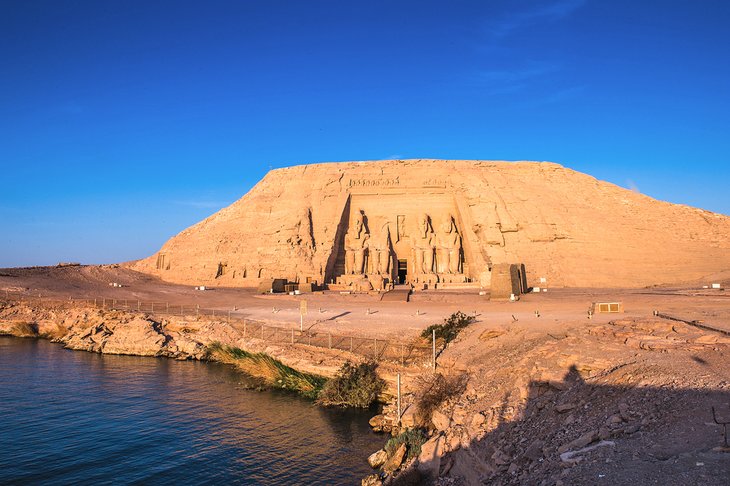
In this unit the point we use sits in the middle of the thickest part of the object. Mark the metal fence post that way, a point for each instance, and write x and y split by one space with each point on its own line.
399 403
433 352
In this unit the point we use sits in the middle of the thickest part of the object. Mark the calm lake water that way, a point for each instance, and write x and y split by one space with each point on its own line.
71 417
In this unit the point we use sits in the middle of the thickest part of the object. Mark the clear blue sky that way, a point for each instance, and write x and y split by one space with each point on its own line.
124 122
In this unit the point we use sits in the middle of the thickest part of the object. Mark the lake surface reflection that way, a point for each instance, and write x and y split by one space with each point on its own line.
75 417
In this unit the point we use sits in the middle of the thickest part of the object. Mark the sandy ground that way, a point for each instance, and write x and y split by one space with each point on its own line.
366 315
626 396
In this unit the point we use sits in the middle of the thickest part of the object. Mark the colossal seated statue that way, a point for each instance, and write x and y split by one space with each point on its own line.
449 247
423 244
356 245
380 251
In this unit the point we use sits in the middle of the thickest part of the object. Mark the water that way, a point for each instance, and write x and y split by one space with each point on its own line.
71 417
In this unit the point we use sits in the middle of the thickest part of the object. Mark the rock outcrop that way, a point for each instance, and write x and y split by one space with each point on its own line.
566 227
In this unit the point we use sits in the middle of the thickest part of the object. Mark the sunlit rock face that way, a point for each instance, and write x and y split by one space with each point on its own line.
445 223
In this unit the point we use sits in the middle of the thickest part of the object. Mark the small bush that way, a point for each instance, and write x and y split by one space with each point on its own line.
55 334
25 329
451 327
435 391
270 370
413 439
354 386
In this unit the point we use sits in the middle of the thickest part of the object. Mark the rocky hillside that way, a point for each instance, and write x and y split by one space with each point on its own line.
627 402
567 227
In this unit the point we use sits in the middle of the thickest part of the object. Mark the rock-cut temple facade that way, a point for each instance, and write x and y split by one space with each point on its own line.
444 224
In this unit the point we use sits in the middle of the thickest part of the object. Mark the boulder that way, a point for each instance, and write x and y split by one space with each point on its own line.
580 442
429 460
409 419
378 422
440 421
564 407
371 480
141 337
534 451
377 459
394 462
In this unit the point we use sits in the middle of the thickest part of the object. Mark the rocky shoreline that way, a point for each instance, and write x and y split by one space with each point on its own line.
627 399
95 330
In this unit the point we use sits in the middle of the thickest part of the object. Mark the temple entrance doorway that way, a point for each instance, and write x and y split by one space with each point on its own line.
402 271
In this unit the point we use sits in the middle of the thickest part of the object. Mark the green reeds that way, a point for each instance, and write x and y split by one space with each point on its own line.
270 370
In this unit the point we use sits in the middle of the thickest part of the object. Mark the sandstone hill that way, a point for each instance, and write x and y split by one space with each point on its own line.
566 227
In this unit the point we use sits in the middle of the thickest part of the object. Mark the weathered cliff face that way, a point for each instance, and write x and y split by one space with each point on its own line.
567 227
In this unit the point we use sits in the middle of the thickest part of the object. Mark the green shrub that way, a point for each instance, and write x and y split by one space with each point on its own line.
451 327
413 438
270 370
354 386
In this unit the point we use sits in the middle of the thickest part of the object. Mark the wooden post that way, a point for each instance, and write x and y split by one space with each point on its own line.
262 332
351 344
433 352
229 317
94 302
292 336
329 336
375 347
399 403
139 305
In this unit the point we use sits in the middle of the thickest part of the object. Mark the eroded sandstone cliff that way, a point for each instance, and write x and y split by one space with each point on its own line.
565 226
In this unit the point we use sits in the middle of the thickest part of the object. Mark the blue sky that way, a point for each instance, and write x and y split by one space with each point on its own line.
124 122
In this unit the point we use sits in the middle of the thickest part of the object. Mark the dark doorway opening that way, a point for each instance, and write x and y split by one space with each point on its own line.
402 271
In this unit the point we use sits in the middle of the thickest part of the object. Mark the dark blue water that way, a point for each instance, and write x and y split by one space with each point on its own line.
71 417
